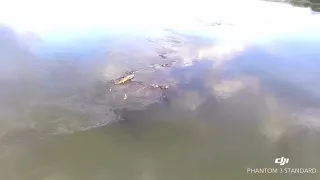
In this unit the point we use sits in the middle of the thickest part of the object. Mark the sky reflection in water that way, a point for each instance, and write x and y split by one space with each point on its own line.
244 89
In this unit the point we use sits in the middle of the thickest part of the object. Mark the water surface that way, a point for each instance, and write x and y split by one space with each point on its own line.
243 90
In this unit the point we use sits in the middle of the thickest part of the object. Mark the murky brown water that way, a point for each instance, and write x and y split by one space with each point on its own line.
243 90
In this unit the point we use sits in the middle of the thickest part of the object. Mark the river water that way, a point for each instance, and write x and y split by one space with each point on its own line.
243 90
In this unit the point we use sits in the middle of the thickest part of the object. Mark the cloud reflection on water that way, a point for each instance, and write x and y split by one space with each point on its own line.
78 98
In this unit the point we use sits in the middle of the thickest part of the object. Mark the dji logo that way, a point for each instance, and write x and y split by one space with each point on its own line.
282 161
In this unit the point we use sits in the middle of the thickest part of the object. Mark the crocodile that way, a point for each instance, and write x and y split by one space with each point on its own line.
125 79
